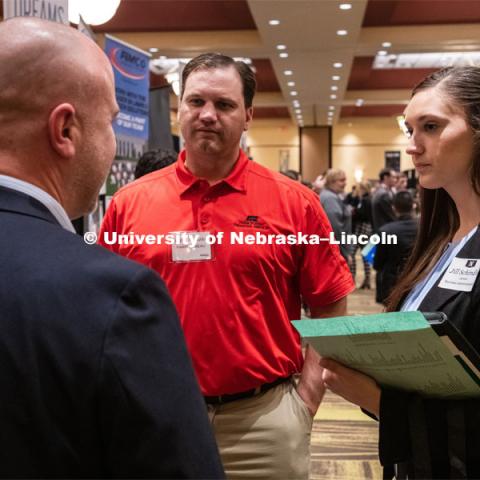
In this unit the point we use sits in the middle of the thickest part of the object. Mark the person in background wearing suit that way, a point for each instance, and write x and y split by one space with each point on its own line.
421 437
391 258
96 378
382 211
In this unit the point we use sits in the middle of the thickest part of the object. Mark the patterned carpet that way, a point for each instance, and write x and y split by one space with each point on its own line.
344 440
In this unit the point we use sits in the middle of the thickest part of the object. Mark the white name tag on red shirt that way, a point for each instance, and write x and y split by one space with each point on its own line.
194 250
461 274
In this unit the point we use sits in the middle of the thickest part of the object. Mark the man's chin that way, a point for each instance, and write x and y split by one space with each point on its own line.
208 146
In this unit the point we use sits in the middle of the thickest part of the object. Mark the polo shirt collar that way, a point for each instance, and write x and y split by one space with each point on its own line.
236 179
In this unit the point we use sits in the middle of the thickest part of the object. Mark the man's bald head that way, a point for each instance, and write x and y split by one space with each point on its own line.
44 63
57 104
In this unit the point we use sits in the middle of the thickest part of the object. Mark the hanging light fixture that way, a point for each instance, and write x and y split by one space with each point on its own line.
93 12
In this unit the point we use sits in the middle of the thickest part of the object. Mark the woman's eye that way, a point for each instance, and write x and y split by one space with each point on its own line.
430 127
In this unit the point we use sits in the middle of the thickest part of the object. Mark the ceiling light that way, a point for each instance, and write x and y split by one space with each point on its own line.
345 6
330 114
293 93
359 102
331 107
93 13
334 88
283 55
427 60
153 50
274 22
386 44
288 72
342 33
335 77
281 47
333 97
338 65
296 103
382 53
291 84
298 110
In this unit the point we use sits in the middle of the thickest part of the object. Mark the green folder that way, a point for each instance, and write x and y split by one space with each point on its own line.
401 350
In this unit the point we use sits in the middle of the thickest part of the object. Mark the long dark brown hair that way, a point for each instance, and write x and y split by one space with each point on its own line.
439 219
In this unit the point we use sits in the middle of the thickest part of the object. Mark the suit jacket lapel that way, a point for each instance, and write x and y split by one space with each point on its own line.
437 297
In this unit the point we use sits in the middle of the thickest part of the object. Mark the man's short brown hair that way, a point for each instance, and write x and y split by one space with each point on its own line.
207 61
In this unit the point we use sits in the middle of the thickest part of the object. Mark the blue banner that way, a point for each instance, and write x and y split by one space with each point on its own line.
132 81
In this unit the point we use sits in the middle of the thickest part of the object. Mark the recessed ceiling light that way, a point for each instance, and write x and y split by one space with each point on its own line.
288 72
333 97
338 65
296 103
345 6
283 55
281 47
274 22
153 50
293 93
342 33
334 88
386 44
291 84
359 102
335 77
298 110
330 114
382 53
331 107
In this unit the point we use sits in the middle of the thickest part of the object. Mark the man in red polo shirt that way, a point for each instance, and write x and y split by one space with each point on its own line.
236 293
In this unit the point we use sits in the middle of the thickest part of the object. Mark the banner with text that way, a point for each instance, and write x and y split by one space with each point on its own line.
54 10
132 81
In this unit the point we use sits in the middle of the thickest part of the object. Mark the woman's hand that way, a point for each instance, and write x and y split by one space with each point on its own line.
352 385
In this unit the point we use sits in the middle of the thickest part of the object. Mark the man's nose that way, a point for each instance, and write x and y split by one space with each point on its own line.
208 113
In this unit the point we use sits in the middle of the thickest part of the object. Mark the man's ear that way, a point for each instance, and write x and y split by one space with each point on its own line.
249 116
61 123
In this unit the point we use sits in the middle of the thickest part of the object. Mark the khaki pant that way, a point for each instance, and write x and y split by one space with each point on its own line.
264 437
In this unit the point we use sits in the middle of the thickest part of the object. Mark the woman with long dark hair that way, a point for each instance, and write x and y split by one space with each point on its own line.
420 437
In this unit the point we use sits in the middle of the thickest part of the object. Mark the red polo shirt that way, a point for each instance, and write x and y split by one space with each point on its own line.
236 308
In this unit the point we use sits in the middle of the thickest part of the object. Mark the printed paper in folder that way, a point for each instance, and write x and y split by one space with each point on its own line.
397 349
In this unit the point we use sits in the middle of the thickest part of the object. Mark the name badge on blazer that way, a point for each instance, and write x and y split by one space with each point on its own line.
461 274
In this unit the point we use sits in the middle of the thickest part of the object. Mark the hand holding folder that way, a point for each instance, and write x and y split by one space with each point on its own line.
412 351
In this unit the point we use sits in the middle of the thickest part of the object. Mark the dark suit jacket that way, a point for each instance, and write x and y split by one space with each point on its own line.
95 377
390 259
437 438
382 209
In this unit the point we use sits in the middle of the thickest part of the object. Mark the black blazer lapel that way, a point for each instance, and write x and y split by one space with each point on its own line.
438 297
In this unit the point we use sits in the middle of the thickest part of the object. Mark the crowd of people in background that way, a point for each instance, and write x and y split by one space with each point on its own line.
387 205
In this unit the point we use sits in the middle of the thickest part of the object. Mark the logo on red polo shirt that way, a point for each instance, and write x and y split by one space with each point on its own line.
252 221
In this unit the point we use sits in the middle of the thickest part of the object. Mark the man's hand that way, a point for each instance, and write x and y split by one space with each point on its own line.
351 385
311 387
